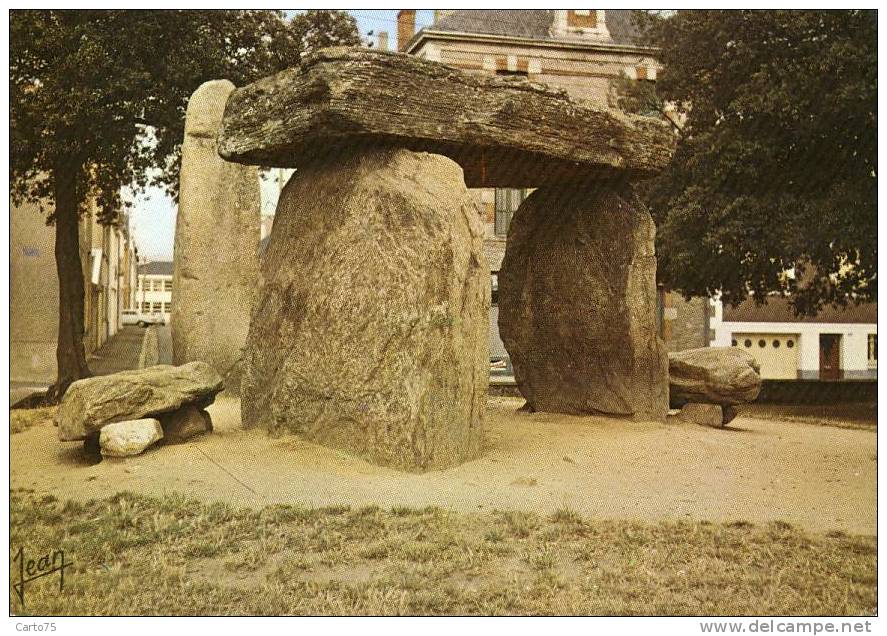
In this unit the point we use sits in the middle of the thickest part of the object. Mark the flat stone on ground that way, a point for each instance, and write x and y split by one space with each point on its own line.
90 404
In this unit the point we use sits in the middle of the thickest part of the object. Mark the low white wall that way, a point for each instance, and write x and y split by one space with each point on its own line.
854 342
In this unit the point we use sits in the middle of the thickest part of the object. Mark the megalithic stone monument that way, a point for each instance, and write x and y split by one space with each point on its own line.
216 263
577 303
371 332
370 329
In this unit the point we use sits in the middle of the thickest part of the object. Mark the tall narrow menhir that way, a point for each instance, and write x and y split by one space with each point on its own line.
216 245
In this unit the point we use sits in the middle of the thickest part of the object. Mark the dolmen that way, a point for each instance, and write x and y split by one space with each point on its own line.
127 412
370 328
708 383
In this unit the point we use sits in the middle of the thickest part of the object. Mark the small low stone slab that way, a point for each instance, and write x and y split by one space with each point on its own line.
703 414
504 132
124 439
92 403
185 424
713 375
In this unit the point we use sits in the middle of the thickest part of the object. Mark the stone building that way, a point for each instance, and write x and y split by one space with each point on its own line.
154 288
584 52
107 254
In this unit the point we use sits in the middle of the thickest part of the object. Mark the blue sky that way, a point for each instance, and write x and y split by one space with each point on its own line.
153 216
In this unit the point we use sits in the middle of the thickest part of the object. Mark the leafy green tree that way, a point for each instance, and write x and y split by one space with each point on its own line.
97 103
316 29
777 156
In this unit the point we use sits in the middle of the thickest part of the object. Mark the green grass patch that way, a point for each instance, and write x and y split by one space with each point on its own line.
137 555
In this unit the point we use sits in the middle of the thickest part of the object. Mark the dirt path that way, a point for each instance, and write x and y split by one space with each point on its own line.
817 477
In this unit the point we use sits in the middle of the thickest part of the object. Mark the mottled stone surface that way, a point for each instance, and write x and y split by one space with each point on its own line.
370 333
92 403
704 414
577 304
713 375
505 132
216 243
186 423
124 439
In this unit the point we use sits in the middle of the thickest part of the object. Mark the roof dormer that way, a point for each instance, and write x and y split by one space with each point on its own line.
581 24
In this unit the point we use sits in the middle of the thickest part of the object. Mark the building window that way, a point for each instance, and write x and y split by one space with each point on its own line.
506 72
789 343
507 202
733 342
146 307
747 343
873 350
155 307
167 285
776 344
166 307
584 18
762 343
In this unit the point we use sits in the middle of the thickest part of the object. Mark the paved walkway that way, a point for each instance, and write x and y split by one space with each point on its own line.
119 353
164 343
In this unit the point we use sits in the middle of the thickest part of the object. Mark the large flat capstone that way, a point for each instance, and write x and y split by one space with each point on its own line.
216 263
92 403
504 132
577 303
370 332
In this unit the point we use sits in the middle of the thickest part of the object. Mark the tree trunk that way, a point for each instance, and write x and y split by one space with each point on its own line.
70 353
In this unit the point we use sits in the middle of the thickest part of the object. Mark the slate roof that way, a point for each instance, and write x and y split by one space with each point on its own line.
530 23
157 268
777 309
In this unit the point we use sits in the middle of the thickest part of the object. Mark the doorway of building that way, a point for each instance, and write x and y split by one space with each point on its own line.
829 356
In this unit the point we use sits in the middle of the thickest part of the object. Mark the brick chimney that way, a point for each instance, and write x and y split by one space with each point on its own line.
406 27
383 40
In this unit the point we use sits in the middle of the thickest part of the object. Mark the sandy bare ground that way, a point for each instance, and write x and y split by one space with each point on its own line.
820 478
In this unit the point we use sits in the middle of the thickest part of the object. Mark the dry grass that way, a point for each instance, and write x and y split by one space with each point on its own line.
23 419
172 556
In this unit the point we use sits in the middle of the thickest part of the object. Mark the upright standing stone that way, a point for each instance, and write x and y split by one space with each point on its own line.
216 244
577 303
370 332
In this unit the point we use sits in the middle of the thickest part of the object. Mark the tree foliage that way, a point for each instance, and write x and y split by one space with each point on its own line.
111 87
97 103
776 165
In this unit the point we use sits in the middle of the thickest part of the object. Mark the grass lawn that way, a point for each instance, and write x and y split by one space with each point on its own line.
172 556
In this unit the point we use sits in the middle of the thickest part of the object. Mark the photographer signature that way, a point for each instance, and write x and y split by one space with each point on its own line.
33 569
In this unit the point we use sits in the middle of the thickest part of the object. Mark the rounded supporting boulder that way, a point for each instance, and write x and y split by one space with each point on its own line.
577 303
370 332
